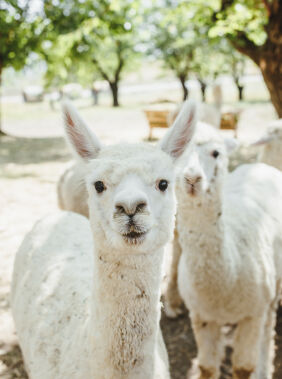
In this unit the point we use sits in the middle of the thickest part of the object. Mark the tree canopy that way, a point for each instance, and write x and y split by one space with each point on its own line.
102 37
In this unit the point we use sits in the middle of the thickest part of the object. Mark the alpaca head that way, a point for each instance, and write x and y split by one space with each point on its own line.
203 166
272 138
131 186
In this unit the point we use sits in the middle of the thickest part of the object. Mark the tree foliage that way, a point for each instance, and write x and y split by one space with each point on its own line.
254 27
102 37
19 34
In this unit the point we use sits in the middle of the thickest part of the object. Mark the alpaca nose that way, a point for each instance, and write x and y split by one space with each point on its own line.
130 208
193 179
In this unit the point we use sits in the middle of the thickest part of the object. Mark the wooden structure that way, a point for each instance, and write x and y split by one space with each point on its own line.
157 118
229 121
161 118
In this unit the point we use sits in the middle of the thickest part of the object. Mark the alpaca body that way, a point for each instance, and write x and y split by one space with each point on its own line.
225 272
230 268
65 278
86 296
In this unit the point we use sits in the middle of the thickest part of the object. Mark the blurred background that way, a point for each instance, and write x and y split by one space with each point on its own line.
126 65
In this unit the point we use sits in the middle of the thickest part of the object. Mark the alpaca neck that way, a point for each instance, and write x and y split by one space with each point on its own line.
125 312
203 215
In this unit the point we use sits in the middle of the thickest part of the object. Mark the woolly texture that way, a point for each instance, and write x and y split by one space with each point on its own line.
86 299
230 270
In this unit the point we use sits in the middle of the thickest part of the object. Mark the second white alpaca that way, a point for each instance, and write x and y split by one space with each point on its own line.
86 300
230 268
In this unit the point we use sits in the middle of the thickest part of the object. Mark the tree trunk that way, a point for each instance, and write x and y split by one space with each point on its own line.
182 79
114 89
239 87
270 63
268 56
203 86
240 92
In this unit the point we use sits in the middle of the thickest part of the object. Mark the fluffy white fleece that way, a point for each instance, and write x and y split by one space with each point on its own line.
230 269
86 297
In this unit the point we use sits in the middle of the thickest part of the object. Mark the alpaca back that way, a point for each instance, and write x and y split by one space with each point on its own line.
51 291
252 210
71 190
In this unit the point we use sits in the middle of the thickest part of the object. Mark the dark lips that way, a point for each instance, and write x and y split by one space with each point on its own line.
134 237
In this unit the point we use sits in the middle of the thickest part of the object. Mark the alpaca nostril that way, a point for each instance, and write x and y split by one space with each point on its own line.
193 179
120 209
140 207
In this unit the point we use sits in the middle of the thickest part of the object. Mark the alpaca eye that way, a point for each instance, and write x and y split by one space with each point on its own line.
215 153
162 185
99 186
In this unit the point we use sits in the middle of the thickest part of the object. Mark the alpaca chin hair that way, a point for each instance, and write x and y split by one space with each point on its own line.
134 238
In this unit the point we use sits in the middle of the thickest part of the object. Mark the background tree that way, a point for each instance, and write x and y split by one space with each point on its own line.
19 35
209 61
172 39
180 42
104 36
254 27
236 66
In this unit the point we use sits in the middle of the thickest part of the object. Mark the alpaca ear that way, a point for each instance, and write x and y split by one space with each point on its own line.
81 138
181 132
263 140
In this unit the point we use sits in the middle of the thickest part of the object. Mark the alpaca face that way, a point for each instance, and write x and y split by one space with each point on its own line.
131 187
203 166
131 197
203 169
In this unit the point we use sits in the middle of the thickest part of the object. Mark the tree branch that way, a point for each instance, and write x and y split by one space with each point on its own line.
102 72
245 46
120 63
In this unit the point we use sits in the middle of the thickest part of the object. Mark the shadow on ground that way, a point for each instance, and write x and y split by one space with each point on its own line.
32 150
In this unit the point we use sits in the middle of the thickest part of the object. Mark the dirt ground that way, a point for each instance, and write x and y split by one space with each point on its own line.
29 170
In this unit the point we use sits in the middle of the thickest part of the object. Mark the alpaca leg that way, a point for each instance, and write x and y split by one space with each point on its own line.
246 347
267 344
172 299
265 363
208 338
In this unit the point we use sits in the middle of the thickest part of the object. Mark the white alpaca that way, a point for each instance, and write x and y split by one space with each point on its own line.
172 300
230 268
272 145
82 315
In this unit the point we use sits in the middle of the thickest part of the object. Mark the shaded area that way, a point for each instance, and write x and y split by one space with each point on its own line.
32 150
11 364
